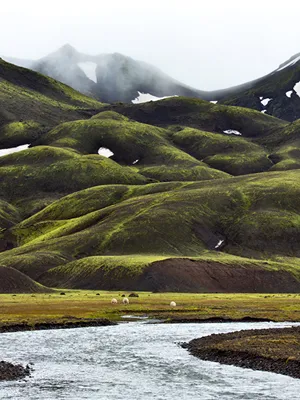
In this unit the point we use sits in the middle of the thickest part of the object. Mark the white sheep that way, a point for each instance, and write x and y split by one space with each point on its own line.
114 301
125 300
172 304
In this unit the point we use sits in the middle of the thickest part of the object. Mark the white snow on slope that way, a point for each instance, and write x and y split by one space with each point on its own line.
297 88
4 152
232 132
265 102
219 244
289 93
214 101
145 97
289 64
264 111
89 68
103 151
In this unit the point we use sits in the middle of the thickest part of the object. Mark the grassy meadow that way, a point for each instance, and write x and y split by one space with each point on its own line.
79 304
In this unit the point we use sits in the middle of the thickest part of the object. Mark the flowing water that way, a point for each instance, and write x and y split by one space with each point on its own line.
135 360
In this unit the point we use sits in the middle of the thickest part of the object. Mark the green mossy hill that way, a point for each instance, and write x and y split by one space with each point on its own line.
199 114
128 140
250 216
146 147
34 103
165 173
96 272
42 170
13 281
230 153
284 147
209 273
110 115
9 215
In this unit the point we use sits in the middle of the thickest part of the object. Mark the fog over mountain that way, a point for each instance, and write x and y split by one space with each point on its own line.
206 45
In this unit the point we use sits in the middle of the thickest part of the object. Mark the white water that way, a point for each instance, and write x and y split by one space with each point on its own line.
134 361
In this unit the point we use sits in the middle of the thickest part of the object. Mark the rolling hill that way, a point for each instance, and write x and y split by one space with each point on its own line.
194 196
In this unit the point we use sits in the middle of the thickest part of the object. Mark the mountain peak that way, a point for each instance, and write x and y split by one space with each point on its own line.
67 51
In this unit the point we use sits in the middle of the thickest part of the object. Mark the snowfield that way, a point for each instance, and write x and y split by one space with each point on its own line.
145 97
103 151
232 132
4 152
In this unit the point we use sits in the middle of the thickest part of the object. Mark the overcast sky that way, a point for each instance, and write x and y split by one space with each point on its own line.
206 44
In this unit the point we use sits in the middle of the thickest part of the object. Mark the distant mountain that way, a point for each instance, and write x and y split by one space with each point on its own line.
276 94
118 78
108 77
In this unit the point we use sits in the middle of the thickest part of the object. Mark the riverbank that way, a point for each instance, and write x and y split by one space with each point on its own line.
42 326
272 350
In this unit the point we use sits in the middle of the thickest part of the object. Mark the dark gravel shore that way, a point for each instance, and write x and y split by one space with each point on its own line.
273 350
10 372
80 323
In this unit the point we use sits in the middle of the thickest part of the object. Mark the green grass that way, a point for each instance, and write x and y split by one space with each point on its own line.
88 305
257 216
46 169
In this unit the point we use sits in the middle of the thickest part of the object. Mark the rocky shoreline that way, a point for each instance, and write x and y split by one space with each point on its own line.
272 350
10 372
41 326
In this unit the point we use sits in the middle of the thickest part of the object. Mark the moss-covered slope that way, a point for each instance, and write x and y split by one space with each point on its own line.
250 216
199 114
179 186
30 103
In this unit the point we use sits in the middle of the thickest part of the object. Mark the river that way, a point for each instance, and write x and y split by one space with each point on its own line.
134 360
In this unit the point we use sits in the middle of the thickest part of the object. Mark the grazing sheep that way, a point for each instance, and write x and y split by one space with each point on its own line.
125 300
114 301
172 304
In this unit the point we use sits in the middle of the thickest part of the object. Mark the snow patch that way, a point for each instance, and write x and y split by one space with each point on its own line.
135 162
103 151
265 102
289 93
264 111
214 101
89 68
260 98
4 152
145 97
289 64
297 88
232 132
219 244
